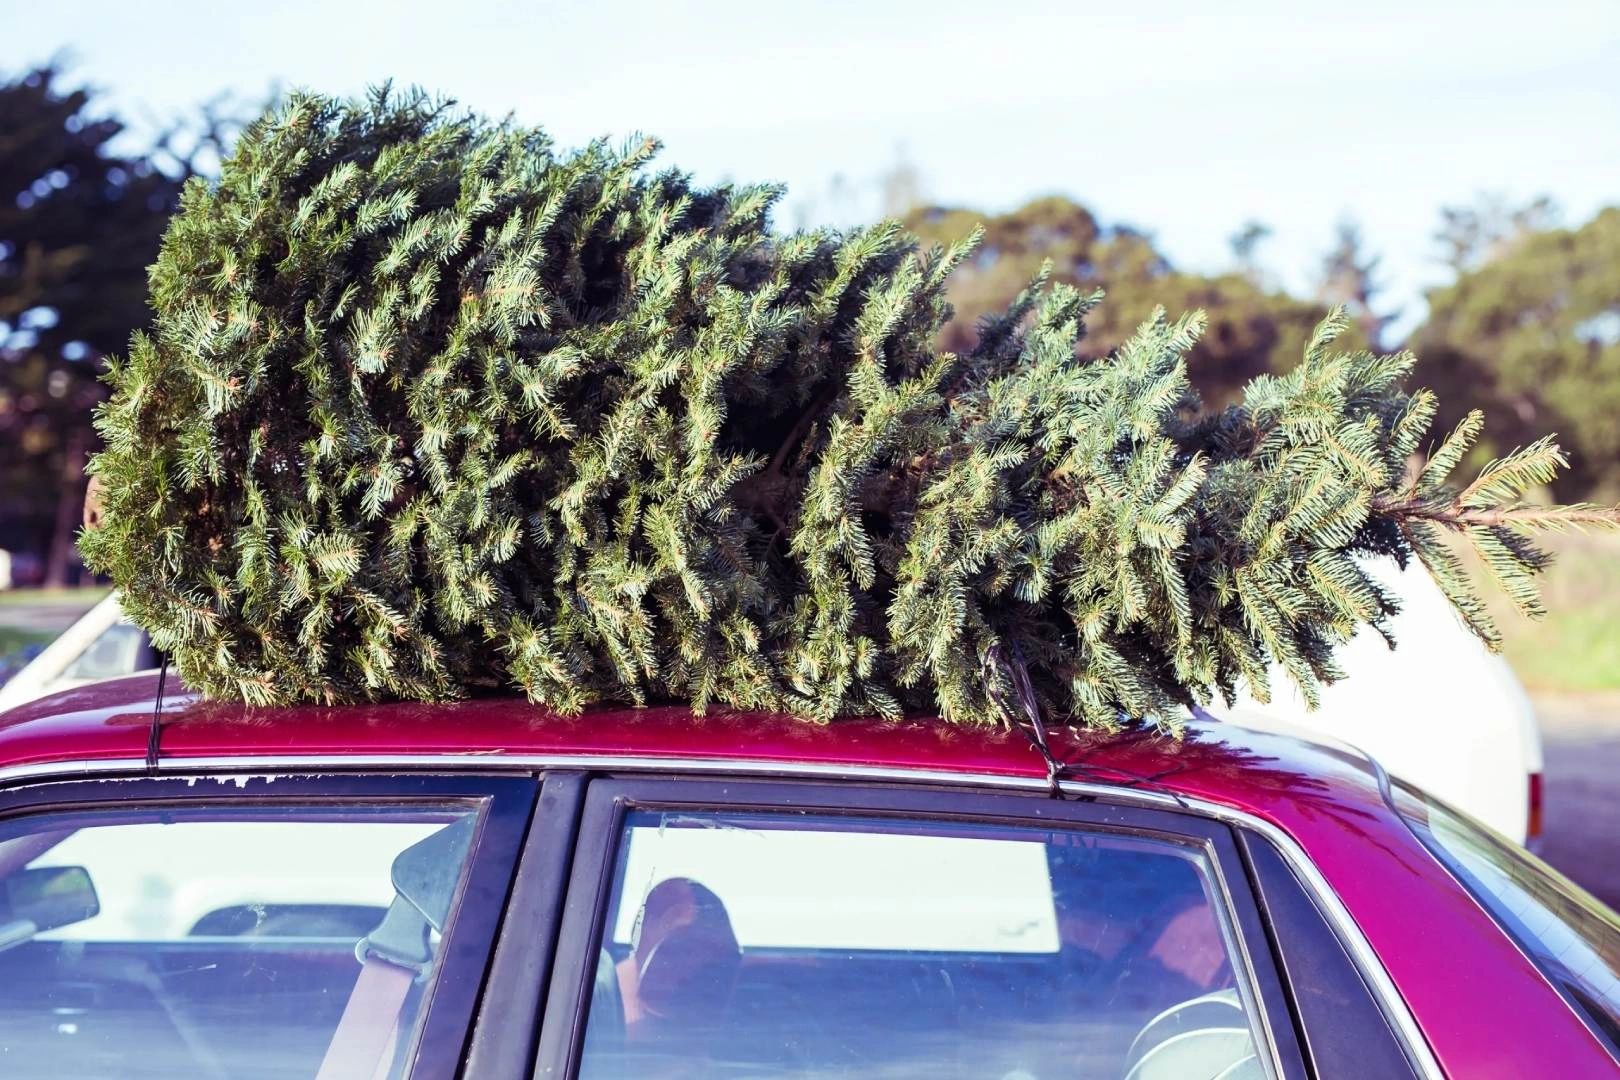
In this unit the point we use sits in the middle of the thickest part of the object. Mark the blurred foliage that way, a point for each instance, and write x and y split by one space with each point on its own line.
1532 337
1349 279
1252 330
1576 648
1529 331
79 223
1471 235
16 638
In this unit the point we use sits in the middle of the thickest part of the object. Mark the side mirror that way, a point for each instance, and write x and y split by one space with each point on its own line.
48 897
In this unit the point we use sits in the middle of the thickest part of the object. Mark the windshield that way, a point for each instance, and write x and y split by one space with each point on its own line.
1569 934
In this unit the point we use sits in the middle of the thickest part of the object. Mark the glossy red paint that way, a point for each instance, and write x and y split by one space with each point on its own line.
1486 1011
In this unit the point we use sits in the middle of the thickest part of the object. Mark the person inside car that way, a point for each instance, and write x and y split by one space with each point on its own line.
671 994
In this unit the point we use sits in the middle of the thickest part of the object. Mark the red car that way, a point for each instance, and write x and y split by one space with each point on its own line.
490 891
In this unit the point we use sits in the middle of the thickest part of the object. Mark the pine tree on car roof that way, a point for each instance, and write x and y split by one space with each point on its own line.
432 408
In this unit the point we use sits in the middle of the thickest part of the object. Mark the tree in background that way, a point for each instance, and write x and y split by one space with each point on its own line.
1349 279
79 224
902 186
1531 334
1245 244
1472 235
1251 330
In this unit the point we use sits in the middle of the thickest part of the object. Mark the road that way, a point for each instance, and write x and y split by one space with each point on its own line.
1581 738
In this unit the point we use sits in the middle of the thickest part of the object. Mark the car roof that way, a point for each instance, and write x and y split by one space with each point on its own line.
1247 770
1325 802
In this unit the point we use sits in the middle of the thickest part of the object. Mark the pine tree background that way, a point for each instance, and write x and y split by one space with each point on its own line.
431 408
78 226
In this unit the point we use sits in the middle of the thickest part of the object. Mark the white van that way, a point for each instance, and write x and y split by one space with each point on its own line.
1440 711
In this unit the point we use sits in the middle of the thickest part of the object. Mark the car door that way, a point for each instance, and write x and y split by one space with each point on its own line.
802 929
261 927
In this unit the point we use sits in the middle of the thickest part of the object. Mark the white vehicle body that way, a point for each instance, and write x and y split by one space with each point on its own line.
102 644
1440 711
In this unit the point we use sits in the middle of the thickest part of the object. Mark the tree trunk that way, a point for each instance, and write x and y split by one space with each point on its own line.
69 510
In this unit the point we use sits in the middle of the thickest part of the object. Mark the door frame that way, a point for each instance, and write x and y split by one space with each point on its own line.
609 799
508 802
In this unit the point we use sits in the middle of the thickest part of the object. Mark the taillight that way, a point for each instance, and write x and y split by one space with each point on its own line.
1534 829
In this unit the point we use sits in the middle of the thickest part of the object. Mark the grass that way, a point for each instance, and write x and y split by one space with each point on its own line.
78 597
1576 648
13 638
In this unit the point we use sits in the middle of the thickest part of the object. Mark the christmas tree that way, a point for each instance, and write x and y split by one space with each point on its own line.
430 407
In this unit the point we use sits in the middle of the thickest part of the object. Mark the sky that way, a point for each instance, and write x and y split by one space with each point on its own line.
1182 118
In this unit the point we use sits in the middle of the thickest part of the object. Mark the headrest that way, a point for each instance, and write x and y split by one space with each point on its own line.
685 950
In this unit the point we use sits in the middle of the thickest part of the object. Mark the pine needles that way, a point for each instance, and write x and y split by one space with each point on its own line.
431 409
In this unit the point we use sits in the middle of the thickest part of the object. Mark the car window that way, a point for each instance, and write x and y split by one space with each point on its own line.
1570 935
221 943
118 650
765 946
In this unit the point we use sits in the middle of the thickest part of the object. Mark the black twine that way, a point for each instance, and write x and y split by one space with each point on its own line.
1025 714
154 734
1025 711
